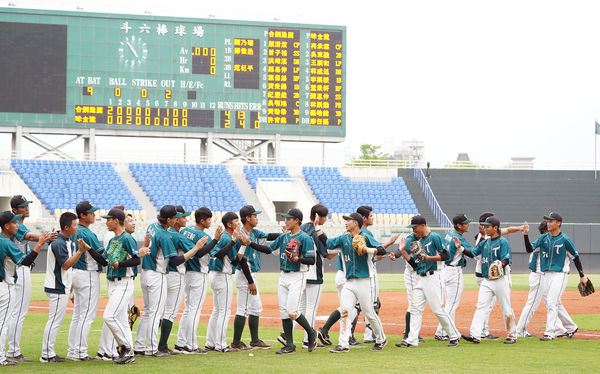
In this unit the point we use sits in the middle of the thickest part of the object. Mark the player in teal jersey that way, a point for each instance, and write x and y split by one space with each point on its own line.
10 252
196 282
428 285
556 252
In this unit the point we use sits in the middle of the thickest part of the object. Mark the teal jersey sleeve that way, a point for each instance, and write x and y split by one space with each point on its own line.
465 244
478 248
130 245
259 234
21 232
14 253
333 243
538 242
438 246
369 238
308 246
166 244
570 247
275 244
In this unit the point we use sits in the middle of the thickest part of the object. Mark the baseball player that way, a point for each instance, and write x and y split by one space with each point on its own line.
367 213
452 274
248 296
428 285
357 287
224 257
10 254
86 285
62 255
176 276
19 304
196 282
494 248
154 282
556 251
536 291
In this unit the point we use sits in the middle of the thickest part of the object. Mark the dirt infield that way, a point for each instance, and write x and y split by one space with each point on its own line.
394 305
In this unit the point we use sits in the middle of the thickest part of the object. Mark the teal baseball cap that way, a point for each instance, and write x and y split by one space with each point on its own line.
19 201
491 221
461 219
417 220
170 211
85 207
181 209
8 216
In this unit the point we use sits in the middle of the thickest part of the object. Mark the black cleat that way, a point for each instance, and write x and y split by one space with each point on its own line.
127 358
510 340
421 340
368 341
287 350
490 337
339 349
241 346
453 343
379 346
471 339
312 341
323 337
281 339
404 344
259 344
441 338
546 338
569 335
52 359
352 340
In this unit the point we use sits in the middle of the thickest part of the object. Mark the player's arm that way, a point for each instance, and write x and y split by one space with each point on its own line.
401 252
442 254
511 229
97 256
307 252
391 241
570 247
31 256
68 263
131 248
462 247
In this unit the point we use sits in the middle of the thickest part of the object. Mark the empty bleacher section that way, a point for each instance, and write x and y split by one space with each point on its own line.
254 172
191 186
517 195
60 185
340 194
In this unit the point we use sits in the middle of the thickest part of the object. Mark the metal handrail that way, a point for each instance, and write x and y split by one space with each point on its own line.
441 217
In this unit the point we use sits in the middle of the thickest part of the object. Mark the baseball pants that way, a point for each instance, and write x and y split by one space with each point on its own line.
536 294
19 304
374 281
429 289
486 326
86 290
358 290
216 335
340 281
57 307
247 304
309 305
410 278
115 312
196 284
6 294
554 284
500 289
175 291
154 289
289 293
452 284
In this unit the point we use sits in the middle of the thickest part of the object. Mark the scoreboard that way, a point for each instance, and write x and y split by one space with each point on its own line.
110 71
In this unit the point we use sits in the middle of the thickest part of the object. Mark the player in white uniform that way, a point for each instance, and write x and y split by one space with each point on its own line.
21 292
62 255
494 248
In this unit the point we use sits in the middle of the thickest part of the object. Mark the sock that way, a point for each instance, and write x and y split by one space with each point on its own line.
407 322
302 321
288 327
333 318
238 328
165 331
253 326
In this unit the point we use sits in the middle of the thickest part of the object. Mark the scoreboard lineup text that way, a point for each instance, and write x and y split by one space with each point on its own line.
176 74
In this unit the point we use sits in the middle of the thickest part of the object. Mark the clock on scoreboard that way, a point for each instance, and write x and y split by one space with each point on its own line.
112 71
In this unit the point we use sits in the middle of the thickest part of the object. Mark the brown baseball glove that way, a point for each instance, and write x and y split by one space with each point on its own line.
359 244
292 249
495 271
586 290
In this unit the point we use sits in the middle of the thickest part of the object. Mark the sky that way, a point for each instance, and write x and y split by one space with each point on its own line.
494 79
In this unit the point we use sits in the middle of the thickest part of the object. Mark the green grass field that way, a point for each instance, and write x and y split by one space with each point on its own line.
527 356
269 281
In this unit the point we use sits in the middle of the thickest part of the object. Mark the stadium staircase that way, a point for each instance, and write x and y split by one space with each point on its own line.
240 180
418 196
137 190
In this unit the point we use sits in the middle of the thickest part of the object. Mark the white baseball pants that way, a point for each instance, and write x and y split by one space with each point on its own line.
216 334
86 290
554 285
358 290
154 289
175 291
6 294
196 285
115 312
289 293
19 305
500 289
452 284
56 314
309 305
247 304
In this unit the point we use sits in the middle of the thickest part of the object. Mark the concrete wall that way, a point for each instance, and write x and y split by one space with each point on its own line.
10 185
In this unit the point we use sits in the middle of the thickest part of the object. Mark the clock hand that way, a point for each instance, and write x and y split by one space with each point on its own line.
132 50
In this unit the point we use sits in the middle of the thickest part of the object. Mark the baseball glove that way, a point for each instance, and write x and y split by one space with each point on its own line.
292 249
115 252
417 250
495 271
586 290
359 244
133 314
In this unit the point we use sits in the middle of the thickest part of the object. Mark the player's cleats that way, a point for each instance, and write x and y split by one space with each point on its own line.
139 353
569 335
209 348
368 341
339 349
379 346
510 340
546 338
528 335
167 350
241 346
421 339
127 358
323 337
442 338
490 337
563 335
228 350
453 343
182 350
199 351
404 344
312 341
52 359
281 339
471 339
160 354
259 344
19 358
287 350
352 340
7 363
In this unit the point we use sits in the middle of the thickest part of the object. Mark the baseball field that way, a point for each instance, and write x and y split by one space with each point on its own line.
529 355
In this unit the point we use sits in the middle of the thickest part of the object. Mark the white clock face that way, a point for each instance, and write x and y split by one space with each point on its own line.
133 51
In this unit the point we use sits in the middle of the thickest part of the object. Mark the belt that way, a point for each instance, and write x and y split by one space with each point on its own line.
430 272
479 275
120 278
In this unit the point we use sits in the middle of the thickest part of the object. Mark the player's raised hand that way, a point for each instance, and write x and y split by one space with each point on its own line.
44 237
83 246
143 252
245 239
147 240
53 235
457 244
392 256
202 241
395 237
525 228
218 233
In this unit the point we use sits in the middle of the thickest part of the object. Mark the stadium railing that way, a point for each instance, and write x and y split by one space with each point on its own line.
441 217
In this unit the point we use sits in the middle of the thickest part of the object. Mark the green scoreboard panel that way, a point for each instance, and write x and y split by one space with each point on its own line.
111 71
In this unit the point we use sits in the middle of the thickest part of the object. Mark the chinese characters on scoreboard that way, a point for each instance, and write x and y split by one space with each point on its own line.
283 77
325 93
246 59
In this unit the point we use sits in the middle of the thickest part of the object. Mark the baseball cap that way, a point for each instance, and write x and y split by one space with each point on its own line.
115 213
8 216
85 207
553 216
19 201
491 221
460 219
182 210
364 210
248 210
294 213
485 216
355 216
169 211
417 220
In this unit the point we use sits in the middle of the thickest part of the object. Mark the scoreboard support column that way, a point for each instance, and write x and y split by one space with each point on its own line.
89 145
16 143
